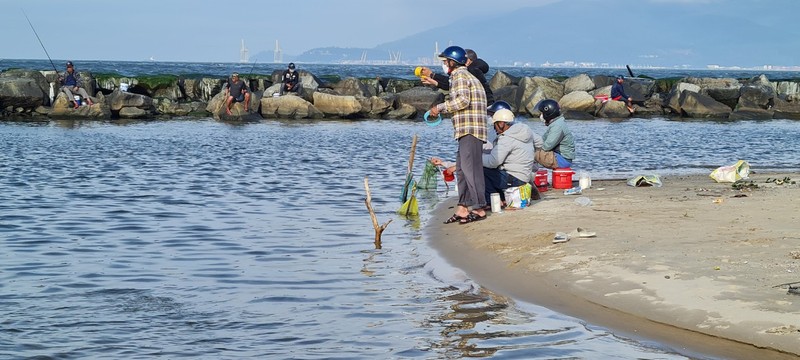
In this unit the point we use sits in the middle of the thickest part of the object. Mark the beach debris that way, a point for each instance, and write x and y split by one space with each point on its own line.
583 201
792 287
731 173
718 200
378 228
794 254
739 196
560 237
786 180
645 180
744 185
581 233
573 191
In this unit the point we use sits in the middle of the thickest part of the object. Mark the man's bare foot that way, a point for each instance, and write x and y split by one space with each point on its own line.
228 111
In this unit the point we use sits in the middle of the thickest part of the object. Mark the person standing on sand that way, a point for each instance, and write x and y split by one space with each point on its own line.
236 91
618 93
467 103
558 149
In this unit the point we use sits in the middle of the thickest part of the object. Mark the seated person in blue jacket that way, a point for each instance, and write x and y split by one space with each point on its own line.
72 84
236 91
558 149
510 163
618 93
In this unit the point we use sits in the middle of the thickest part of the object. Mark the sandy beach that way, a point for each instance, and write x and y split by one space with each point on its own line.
695 265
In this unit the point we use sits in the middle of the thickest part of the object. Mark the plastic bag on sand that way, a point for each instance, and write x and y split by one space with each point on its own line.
731 173
645 180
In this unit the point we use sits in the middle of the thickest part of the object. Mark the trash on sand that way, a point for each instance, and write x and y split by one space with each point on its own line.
718 200
560 238
583 201
581 233
731 173
645 180
573 191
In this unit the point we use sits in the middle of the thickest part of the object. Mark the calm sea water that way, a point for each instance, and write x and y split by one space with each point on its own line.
207 240
201 239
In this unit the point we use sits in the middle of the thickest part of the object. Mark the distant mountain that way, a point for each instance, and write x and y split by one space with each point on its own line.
636 32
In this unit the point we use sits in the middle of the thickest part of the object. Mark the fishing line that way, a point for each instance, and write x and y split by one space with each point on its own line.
40 41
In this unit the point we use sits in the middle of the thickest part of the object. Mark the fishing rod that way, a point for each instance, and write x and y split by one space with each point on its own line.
40 41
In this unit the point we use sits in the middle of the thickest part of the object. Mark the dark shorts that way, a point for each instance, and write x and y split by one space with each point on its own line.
239 98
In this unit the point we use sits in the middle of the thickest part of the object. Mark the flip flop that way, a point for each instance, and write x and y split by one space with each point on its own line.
455 218
586 234
471 217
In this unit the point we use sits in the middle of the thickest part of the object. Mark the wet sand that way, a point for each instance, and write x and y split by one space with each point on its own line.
693 264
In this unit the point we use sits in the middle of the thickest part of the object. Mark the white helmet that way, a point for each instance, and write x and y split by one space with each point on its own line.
503 115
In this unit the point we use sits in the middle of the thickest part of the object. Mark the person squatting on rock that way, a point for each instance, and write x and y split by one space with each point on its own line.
558 149
618 93
290 81
467 103
71 84
236 91
510 163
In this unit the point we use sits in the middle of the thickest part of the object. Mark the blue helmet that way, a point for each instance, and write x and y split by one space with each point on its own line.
497 105
455 53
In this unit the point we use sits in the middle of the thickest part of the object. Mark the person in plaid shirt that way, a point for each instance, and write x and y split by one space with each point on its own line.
467 103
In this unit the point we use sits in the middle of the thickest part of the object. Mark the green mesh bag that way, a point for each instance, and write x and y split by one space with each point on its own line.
428 180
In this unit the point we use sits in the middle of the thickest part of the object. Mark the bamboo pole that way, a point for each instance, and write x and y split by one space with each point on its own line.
378 228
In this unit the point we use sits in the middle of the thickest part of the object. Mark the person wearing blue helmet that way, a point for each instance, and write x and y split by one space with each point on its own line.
467 102
476 66
497 105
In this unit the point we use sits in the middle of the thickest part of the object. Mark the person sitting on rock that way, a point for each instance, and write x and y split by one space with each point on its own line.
618 93
558 149
71 84
236 91
290 81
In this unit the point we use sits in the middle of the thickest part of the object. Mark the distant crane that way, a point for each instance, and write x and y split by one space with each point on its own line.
435 51
394 57
363 57
277 56
243 54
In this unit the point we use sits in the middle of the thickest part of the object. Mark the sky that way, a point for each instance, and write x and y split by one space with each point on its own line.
203 30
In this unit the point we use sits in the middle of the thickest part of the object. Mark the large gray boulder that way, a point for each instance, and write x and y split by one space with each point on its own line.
21 93
288 107
119 99
502 79
63 109
578 100
786 110
724 90
202 89
375 106
673 101
756 96
581 82
696 105
509 95
351 86
751 114
403 111
534 89
788 90
336 106
639 89
422 98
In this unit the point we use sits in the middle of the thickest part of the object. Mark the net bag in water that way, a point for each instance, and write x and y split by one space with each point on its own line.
428 180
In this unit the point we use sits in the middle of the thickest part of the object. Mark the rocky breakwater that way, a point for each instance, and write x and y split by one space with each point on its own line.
35 94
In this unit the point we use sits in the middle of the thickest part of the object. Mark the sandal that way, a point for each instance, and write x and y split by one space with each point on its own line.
472 217
455 218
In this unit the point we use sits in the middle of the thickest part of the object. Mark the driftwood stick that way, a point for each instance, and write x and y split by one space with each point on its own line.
378 228
411 157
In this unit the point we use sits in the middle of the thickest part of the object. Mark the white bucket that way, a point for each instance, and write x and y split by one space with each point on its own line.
123 87
585 181
496 204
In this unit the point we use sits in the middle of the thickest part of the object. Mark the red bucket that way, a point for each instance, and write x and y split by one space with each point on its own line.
540 180
448 175
562 178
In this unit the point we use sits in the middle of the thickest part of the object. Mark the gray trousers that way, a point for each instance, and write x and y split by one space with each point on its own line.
469 171
70 96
